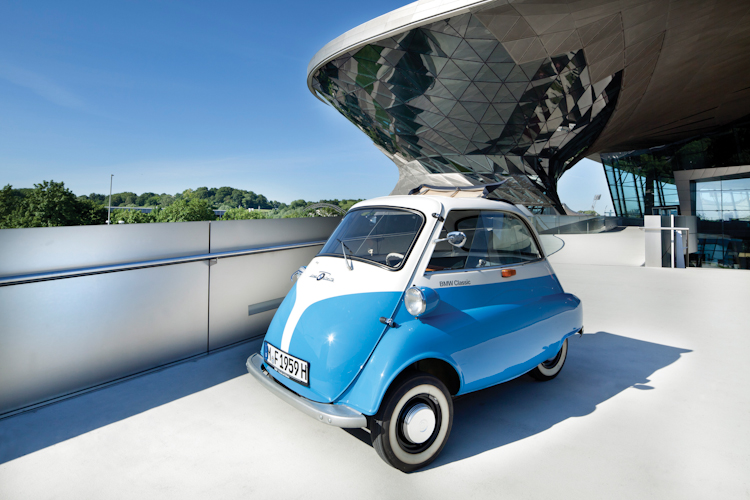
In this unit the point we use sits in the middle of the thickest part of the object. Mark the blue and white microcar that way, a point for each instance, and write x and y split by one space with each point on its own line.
412 301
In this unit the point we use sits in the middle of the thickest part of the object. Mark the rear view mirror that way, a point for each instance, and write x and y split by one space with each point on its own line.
456 238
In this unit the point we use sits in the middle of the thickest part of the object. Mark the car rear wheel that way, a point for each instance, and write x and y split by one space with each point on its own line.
413 423
549 369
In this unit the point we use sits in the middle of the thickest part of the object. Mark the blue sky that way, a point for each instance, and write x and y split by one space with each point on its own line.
175 95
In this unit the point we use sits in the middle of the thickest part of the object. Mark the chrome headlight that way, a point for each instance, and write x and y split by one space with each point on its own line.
414 301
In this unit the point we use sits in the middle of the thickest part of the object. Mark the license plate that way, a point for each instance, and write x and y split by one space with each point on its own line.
294 368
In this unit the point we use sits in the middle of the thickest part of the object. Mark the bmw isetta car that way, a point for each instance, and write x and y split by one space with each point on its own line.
412 301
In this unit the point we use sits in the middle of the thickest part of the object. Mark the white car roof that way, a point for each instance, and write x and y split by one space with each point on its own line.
430 204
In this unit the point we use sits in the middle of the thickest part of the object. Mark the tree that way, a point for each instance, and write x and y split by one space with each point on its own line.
204 193
10 202
98 198
165 199
222 194
242 213
52 204
87 209
185 211
91 213
147 200
125 199
131 217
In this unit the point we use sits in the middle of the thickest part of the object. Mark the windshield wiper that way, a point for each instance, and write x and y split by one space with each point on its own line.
348 261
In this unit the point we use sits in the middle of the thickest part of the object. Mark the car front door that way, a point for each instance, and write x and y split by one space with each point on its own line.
491 290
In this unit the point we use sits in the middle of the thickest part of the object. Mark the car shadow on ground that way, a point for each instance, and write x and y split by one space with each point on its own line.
599 367
45 426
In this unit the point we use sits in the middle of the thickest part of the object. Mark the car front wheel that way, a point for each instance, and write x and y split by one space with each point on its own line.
413 423
547 370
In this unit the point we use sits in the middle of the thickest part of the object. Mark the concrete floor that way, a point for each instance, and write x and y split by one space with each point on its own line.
653 402
623 247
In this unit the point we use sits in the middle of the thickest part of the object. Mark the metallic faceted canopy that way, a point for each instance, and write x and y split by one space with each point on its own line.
465 92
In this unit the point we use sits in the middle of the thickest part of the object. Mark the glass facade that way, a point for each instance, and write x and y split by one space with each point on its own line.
639 183
642 181
723 210
449 95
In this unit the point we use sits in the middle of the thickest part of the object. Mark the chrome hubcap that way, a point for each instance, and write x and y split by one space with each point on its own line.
419 423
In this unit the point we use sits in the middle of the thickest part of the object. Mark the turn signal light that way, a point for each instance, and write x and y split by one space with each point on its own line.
507 273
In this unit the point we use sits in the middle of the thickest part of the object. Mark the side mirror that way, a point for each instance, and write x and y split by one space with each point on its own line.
455 238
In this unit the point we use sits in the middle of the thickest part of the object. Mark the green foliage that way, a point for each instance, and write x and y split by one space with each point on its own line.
97 198
223 198
91 213
347 204
166 199
48 204
292 214
10 202
344 204
51 204
126 199
324 212
228 197
242 213
131 217
148 200
183 210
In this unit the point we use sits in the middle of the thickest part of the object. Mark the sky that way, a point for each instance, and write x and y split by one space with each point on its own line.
170 95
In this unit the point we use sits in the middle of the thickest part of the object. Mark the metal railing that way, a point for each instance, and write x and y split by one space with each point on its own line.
84 306
580 224
88 271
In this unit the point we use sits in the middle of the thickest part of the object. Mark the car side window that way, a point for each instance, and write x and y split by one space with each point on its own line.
492 239
508 240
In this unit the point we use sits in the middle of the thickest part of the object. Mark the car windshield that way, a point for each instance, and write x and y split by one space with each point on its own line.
382 236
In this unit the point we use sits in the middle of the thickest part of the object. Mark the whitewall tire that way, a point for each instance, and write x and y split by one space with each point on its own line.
413 423
549 369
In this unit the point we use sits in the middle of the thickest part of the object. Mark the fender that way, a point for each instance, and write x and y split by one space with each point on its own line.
414 340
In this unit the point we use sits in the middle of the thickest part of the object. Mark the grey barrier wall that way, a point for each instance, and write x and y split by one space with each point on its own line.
93 324
580 224
245 291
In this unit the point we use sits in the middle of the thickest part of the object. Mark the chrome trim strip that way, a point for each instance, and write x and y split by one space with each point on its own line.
487 268
331 414
261 307
129 266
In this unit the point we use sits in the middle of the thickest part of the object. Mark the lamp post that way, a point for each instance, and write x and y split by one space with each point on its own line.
596 198
109 205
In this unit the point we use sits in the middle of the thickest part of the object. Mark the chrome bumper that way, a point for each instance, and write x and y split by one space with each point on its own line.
336 415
